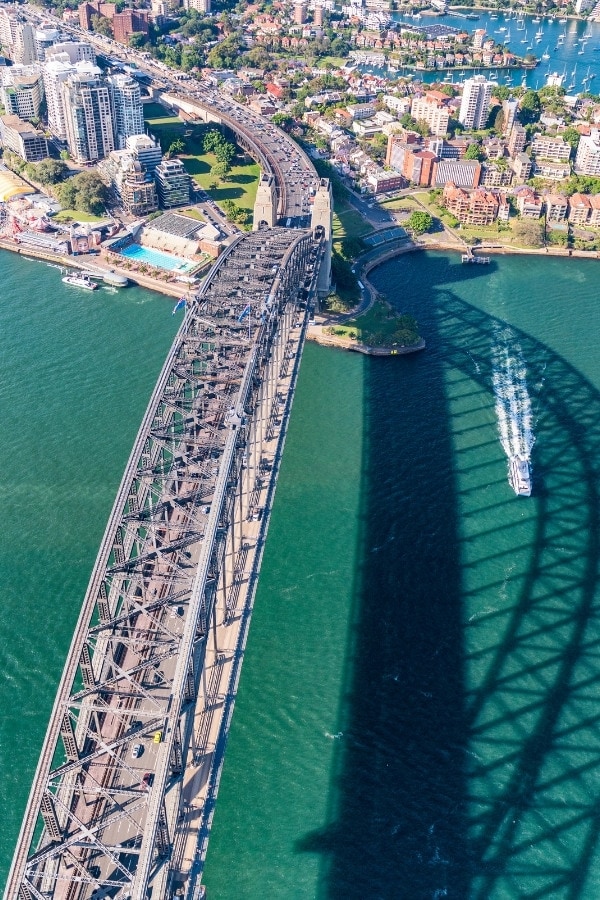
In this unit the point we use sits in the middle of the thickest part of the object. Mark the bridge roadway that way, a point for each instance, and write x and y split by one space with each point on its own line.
123 796
295 176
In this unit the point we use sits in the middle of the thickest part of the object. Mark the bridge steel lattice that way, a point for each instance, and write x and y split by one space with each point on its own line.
122 799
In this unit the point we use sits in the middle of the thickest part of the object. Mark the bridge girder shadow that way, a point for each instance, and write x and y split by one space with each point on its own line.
471 757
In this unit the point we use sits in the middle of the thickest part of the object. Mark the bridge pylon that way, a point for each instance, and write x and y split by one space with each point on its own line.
322 217
265 205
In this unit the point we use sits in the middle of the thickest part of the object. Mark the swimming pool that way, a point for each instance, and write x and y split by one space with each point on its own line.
157 258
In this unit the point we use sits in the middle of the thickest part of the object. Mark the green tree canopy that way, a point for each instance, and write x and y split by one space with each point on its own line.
530 107
419 222
50 171
85 192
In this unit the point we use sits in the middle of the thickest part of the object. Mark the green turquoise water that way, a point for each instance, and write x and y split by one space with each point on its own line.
417 715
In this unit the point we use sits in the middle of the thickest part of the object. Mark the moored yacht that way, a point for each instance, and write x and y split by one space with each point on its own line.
80 280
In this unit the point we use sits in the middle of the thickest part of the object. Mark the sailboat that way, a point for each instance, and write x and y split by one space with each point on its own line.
546 54
525 39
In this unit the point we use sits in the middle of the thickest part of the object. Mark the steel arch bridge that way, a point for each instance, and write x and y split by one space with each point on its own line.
123 796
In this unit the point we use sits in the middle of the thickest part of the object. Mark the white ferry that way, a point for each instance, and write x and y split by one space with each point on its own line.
519 476
81 281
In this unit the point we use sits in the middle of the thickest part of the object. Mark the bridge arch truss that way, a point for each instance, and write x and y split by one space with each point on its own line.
123 794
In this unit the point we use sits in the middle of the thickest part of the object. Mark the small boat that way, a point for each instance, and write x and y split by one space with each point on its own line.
546 53
536 20
563 21
519 476
81 281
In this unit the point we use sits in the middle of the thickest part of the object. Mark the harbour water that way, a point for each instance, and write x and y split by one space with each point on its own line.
417 710
572 48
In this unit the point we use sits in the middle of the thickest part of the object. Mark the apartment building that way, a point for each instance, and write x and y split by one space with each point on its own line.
474 105
431 109
553 149
172 183
89 121
128 109
587 160
480 207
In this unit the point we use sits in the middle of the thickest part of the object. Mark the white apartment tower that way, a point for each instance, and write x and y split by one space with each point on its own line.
202 6
17 38
56 72
429 109
128 109
75 51
474 106
587 161
88 117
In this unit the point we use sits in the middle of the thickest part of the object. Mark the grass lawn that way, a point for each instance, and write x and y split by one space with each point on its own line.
380 324
347 222
191 213
241 182
73 215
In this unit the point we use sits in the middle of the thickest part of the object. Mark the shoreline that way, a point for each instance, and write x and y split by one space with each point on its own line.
87 263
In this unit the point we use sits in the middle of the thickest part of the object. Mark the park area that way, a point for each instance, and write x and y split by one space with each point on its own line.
380 326
238 186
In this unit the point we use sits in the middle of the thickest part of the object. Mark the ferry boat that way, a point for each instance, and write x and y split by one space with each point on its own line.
81 281
519 476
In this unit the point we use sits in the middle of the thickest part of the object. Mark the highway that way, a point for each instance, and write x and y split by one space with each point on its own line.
276 152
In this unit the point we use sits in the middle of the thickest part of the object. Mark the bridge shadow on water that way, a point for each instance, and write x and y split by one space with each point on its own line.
470 761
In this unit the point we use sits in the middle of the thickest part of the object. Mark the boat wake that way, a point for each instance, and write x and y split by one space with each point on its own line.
513 404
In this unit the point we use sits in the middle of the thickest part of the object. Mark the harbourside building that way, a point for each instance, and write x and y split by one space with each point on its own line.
587 160
479 207
172 183
474 105
136 188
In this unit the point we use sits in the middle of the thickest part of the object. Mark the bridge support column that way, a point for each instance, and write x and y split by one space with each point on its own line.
322 217
265 205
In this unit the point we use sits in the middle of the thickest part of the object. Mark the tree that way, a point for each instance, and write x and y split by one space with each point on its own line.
137 40
85 192
419 222
499 121
219 170
530 107
473 152
571 136
175 147
101 25
50 171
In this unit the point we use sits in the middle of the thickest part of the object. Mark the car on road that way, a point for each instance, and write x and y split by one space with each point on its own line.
157 737
136 750
147 780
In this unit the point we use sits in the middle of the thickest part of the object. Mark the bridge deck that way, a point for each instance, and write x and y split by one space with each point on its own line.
125 788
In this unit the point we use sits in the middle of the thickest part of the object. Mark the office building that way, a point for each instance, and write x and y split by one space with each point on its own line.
474 106
23 139
88 117
172 183
128 110
22 91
